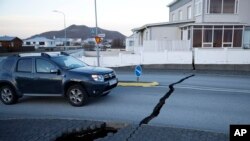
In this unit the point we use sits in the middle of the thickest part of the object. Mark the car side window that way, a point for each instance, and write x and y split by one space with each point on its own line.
7 64
44 66
24 65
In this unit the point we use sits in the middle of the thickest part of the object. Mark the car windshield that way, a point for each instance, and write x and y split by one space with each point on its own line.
68 62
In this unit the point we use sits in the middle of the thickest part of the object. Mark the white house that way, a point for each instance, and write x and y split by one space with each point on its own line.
75 42
38 42
204 23
69 41
130 43
89 41
59 41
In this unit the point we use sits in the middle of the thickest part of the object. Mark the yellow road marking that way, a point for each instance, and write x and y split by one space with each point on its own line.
138 84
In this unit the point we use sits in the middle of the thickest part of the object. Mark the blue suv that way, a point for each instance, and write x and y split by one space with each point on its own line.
53 74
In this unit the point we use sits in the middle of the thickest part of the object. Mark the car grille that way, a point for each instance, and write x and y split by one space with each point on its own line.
109 76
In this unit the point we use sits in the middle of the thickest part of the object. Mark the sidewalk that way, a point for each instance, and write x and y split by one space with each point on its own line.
42 130
52 129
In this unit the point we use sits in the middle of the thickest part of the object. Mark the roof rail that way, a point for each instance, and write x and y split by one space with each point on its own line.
45 55
16 55
64 53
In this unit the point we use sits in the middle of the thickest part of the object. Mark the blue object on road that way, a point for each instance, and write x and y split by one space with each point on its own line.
138 70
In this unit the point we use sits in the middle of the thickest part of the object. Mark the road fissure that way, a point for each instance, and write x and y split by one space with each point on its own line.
158 106
162 101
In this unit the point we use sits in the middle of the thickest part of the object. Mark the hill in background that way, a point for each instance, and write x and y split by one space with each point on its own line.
81 31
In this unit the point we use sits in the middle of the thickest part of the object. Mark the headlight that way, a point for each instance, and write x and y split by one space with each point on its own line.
99 78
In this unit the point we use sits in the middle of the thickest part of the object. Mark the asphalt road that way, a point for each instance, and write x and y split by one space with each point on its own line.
207 101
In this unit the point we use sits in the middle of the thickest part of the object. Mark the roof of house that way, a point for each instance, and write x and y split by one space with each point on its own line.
173 2
162 24
39 39
214 23
131 36
7 38
62 39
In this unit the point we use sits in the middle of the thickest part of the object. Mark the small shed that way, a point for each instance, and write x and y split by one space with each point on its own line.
7 41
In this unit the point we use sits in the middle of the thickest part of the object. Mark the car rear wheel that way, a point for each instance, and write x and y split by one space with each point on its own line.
77 96
8 95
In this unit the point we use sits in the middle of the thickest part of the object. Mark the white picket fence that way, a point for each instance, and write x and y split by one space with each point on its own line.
162 45
171 52
201 56
143 58
222 56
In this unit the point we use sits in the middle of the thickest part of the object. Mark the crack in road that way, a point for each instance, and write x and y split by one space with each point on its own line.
208 88
158 107
133 132
162 101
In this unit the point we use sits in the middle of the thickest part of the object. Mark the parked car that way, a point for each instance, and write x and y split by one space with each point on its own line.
53 74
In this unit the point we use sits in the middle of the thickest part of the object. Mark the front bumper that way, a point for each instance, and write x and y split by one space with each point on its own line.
99 88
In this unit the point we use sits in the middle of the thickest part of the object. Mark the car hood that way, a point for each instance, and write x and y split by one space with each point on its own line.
92 70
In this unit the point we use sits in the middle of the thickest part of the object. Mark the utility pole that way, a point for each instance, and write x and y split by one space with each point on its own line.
96 32
65 35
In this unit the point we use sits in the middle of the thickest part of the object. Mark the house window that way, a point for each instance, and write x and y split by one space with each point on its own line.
180 15
228 6
146 37
197 38
189 12
215 6
208 36
247 37
173 17
189 34
237 38
27 43
198 7
236 6
222 6
227 41
41 43
131 43
217 36
12 44
181 34
207 6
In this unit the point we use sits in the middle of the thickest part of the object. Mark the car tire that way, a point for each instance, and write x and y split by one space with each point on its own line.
106 94
8 95
76 95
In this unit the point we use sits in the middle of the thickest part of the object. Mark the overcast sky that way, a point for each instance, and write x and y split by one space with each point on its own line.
24 18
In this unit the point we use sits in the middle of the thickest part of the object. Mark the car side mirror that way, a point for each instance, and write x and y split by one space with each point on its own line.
55 71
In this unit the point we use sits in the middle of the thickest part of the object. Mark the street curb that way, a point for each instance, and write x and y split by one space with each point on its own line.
137 84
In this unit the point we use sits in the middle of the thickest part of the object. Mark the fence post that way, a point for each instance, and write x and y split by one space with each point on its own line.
120 58
142 57
166 56
226 52
193 57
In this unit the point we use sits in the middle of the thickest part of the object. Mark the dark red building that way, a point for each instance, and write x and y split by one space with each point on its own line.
6 42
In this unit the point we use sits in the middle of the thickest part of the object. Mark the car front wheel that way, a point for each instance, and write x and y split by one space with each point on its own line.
106 94
77 96
7 95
